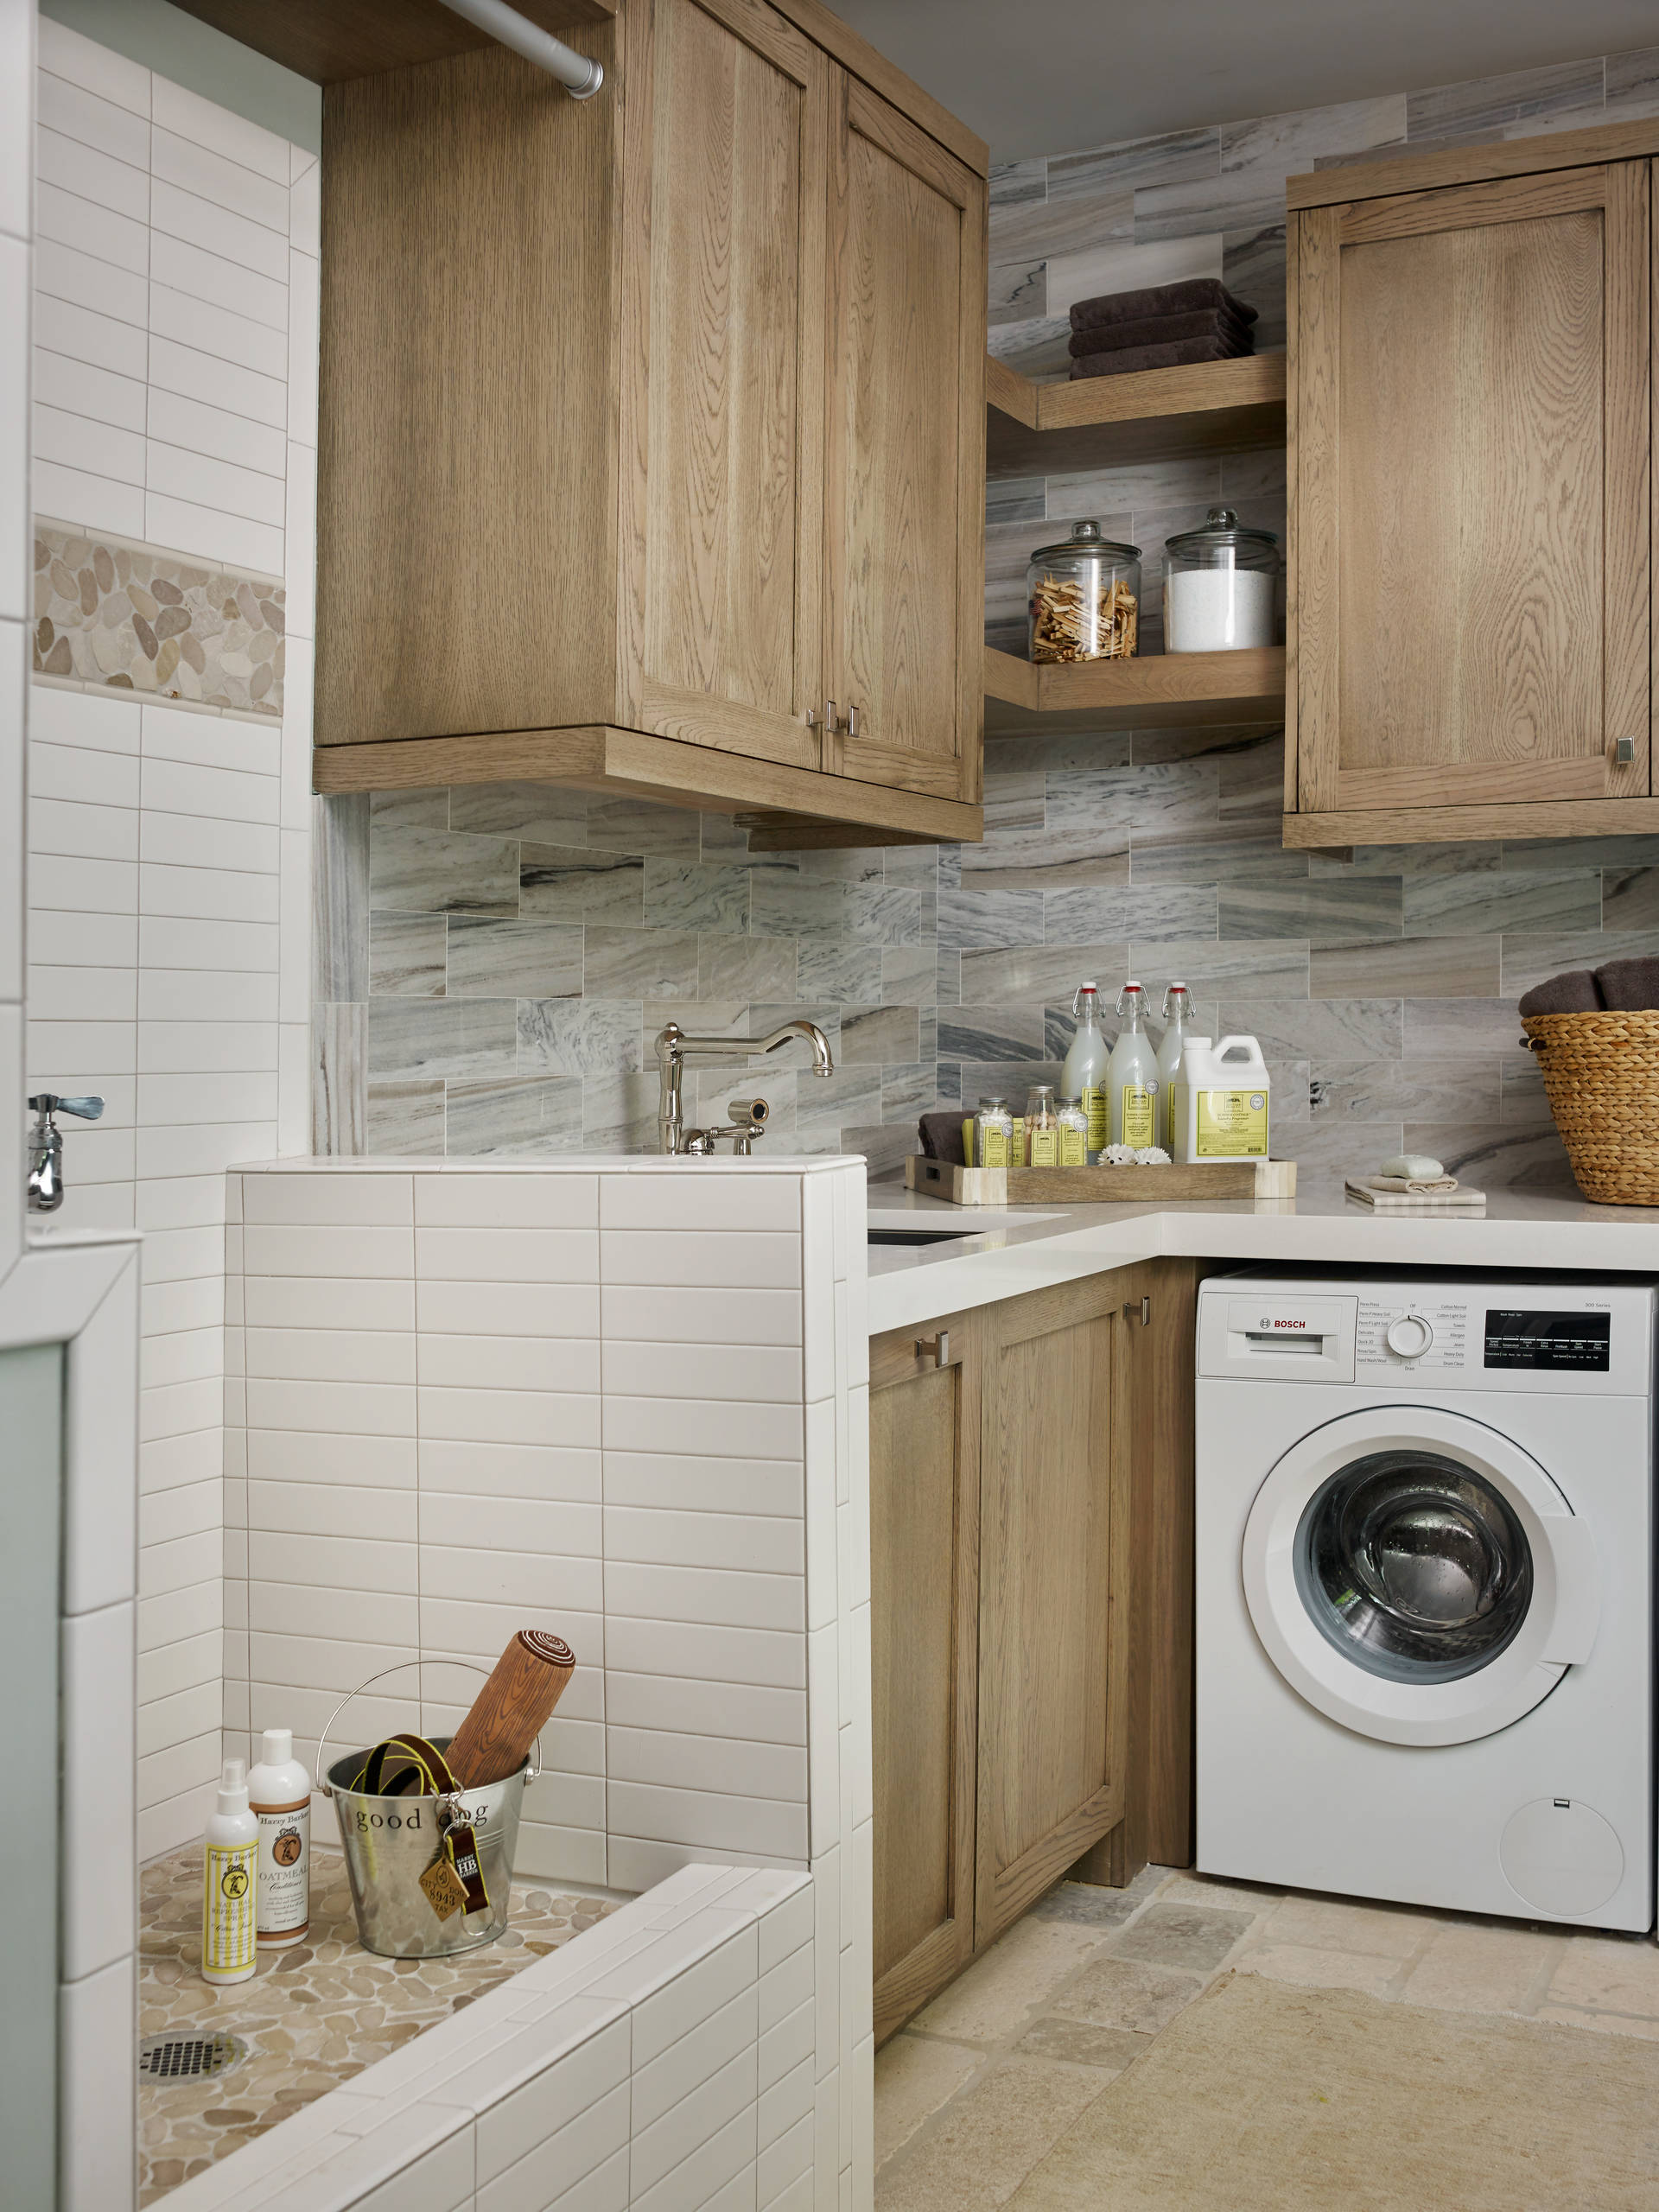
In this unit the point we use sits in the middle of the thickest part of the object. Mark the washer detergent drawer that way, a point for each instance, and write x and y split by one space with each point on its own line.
1278 1339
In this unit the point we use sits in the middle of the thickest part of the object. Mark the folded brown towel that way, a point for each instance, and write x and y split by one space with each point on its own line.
1162 330
942 1135
1160 357
1628 986
1158 299
1574 993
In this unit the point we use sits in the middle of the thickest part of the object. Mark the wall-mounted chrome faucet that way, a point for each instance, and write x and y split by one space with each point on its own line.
674 1048
45 1147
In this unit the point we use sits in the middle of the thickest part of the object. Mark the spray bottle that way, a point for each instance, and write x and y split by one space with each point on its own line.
230 1881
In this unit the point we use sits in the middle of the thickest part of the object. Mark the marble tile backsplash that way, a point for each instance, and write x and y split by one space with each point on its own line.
494 960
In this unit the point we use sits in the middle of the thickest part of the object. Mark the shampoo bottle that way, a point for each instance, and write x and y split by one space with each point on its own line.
1084 1075
1178 1015
279 1796
1133 1080
229 1872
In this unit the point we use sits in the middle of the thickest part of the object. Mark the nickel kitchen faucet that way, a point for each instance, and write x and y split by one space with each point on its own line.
674 1048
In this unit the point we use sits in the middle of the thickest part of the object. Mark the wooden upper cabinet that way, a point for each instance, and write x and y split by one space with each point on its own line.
579 360
905 489
1471 511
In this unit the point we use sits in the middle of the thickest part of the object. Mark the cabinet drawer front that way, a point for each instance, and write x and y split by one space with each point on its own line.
1472 494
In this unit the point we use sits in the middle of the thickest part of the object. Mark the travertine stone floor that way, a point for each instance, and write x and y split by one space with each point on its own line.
982 2084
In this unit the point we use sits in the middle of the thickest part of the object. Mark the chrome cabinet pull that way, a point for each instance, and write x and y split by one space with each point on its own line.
852 721
1624 752
1143 1308
938 1346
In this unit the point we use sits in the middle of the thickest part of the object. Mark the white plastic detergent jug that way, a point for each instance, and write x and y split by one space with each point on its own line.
1221 1102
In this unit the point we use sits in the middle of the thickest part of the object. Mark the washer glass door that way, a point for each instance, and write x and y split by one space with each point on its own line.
1414 1566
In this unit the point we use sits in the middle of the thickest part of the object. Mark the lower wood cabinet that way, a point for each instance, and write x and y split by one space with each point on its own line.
1031 1585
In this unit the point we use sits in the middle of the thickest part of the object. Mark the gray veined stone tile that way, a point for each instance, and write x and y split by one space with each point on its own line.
910 975
1013 800
829 969
1630 897
416 809
1410 860
1237 856
580 1036
845 864
1521 1095
1040 859
912 868
1009 1080
1039 348
1384 151
619 1112
687 895
1248 478
970 918
907 1092
634 825
1015 498
1184 910
640 964
443 871
1211 968
405 1118
575 883
1138 487
515 1117
1323 910
1495 1156
1290 1086
1489 103
886 1146
1018 290
1280 146
947 1083
947 972
1016 184
420 1040
746 968
794 905
339 898
1317 1030
1329 1147
406 956
1532 957
339 1071
1119 266
1253 269
1407 967
1536 899
823 1104
713 1087
544 814
992 1033
1448 1025
1046 973
1243 199
1577 852
1171 157
1170 796
1459 1088
1070 749
1074 223
883 1034
523 959
1633 85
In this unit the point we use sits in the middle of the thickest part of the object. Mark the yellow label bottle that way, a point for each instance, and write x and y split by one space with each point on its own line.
1074 1135
1083 1075
1139 1120
1096 1100
230 1881
1133 1076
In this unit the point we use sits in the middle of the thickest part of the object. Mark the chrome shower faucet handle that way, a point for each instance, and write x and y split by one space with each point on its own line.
46 1145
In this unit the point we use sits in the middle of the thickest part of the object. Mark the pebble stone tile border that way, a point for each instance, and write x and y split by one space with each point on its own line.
125 617
315 2016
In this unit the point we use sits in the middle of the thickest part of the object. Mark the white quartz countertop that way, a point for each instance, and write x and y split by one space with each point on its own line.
1021 1249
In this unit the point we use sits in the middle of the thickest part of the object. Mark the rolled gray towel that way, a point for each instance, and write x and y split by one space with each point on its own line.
1574 993
1628 986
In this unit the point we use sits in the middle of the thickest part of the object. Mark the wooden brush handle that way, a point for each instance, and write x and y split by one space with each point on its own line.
511 1709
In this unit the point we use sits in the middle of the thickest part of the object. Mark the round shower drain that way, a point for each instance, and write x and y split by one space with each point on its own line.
186 2058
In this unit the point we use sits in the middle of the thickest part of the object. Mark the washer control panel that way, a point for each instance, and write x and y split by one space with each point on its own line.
1427 1333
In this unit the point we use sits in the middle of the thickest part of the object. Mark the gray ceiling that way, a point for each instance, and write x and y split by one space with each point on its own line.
1046 76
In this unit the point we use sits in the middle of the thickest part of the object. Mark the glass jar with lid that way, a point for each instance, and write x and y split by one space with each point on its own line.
1042 1127
1083 597
993 1133
1221 586
1074 1134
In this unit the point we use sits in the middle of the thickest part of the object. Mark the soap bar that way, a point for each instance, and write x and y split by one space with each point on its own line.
1413 1167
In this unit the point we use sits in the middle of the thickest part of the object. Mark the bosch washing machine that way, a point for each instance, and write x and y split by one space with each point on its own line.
1425 1592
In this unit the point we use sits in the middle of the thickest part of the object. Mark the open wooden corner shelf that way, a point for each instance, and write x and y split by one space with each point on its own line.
1052 429
1159 691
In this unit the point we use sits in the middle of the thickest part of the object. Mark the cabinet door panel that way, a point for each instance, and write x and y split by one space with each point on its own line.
1472 494
904 486
924 1550
1054 1528
725 550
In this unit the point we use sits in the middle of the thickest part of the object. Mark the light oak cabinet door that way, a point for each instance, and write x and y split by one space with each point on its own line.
905 476
1053 1620
925 1427
1470 503
725 207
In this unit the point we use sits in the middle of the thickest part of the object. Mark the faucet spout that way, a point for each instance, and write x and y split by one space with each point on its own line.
674 1048
822 1063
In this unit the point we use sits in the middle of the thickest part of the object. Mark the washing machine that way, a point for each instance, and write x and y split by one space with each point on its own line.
1425 1592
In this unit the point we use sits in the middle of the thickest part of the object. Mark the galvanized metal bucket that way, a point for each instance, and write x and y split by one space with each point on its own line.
389 1842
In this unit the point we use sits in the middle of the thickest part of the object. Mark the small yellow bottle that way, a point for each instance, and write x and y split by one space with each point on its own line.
230 1881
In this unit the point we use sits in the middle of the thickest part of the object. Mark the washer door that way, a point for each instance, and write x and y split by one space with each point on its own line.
1418 1577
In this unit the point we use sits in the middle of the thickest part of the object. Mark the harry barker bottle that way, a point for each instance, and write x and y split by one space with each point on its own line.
1084 1077
1133 1076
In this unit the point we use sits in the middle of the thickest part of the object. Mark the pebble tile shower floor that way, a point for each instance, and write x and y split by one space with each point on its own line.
313 2016
982 2084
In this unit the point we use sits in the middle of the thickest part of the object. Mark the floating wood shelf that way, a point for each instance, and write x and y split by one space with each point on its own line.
1156 690
1054 430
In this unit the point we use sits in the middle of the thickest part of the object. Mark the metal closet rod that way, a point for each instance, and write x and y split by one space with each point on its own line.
580 78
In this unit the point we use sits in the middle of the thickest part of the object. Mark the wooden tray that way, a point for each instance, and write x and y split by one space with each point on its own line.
1073 1186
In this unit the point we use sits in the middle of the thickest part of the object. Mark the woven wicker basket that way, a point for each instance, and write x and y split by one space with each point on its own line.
1601 1072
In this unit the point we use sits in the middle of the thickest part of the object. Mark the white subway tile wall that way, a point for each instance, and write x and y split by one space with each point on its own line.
168 848
667 1465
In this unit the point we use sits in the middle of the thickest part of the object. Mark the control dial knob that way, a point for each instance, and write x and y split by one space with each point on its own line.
1409 1336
